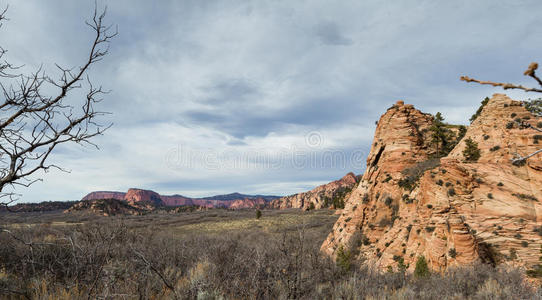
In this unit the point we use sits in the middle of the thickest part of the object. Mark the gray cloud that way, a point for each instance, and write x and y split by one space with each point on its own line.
241 76
329 34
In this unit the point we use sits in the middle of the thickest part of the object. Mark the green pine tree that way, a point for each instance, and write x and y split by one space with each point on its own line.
441 136
471 151
344 259
422 269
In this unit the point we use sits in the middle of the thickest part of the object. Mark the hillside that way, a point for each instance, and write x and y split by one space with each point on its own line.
106 207
411 203
331 194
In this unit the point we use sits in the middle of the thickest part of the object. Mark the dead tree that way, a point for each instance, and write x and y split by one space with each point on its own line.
531 72
33 122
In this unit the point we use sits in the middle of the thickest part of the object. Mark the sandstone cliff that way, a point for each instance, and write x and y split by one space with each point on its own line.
327 195
453 212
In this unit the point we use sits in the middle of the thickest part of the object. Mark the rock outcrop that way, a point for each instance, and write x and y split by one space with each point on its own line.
105 207
410 204
326 195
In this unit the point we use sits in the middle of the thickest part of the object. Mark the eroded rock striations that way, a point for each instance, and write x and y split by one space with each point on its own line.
332 195
409 203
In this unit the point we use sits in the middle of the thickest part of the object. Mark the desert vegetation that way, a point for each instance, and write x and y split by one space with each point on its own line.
214 254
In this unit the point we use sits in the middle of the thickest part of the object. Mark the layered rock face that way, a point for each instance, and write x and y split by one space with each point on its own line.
320 197
143 197
451 211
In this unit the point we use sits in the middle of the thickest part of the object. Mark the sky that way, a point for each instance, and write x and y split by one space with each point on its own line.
262 97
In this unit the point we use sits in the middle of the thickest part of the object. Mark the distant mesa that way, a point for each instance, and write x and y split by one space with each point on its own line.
149 199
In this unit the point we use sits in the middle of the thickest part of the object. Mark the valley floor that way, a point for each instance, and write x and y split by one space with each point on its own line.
212 254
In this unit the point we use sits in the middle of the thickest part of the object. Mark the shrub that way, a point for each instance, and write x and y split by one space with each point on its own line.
525 197
500 184
513 254
534 106
388 201
451 192
311 206
539 124
490 195
413 174
343 259
471 153
429 206
495 148
440 182
421 270
388 178
513 115
524 244
479 111
452 252
429 228
258 214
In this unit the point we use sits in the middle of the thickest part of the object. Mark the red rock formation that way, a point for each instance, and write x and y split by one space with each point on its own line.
455 212
149 199
321 196
145 197
248 203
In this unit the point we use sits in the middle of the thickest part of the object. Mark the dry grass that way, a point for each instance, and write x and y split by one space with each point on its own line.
215 254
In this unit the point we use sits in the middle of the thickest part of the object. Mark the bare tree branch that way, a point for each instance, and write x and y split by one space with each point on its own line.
529 72
33 124
162 277
518 160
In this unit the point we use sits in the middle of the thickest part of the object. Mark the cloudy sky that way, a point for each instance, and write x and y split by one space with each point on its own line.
269 97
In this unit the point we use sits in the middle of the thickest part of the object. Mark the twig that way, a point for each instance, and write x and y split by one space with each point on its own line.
529 72
520 160
505 86
164 280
